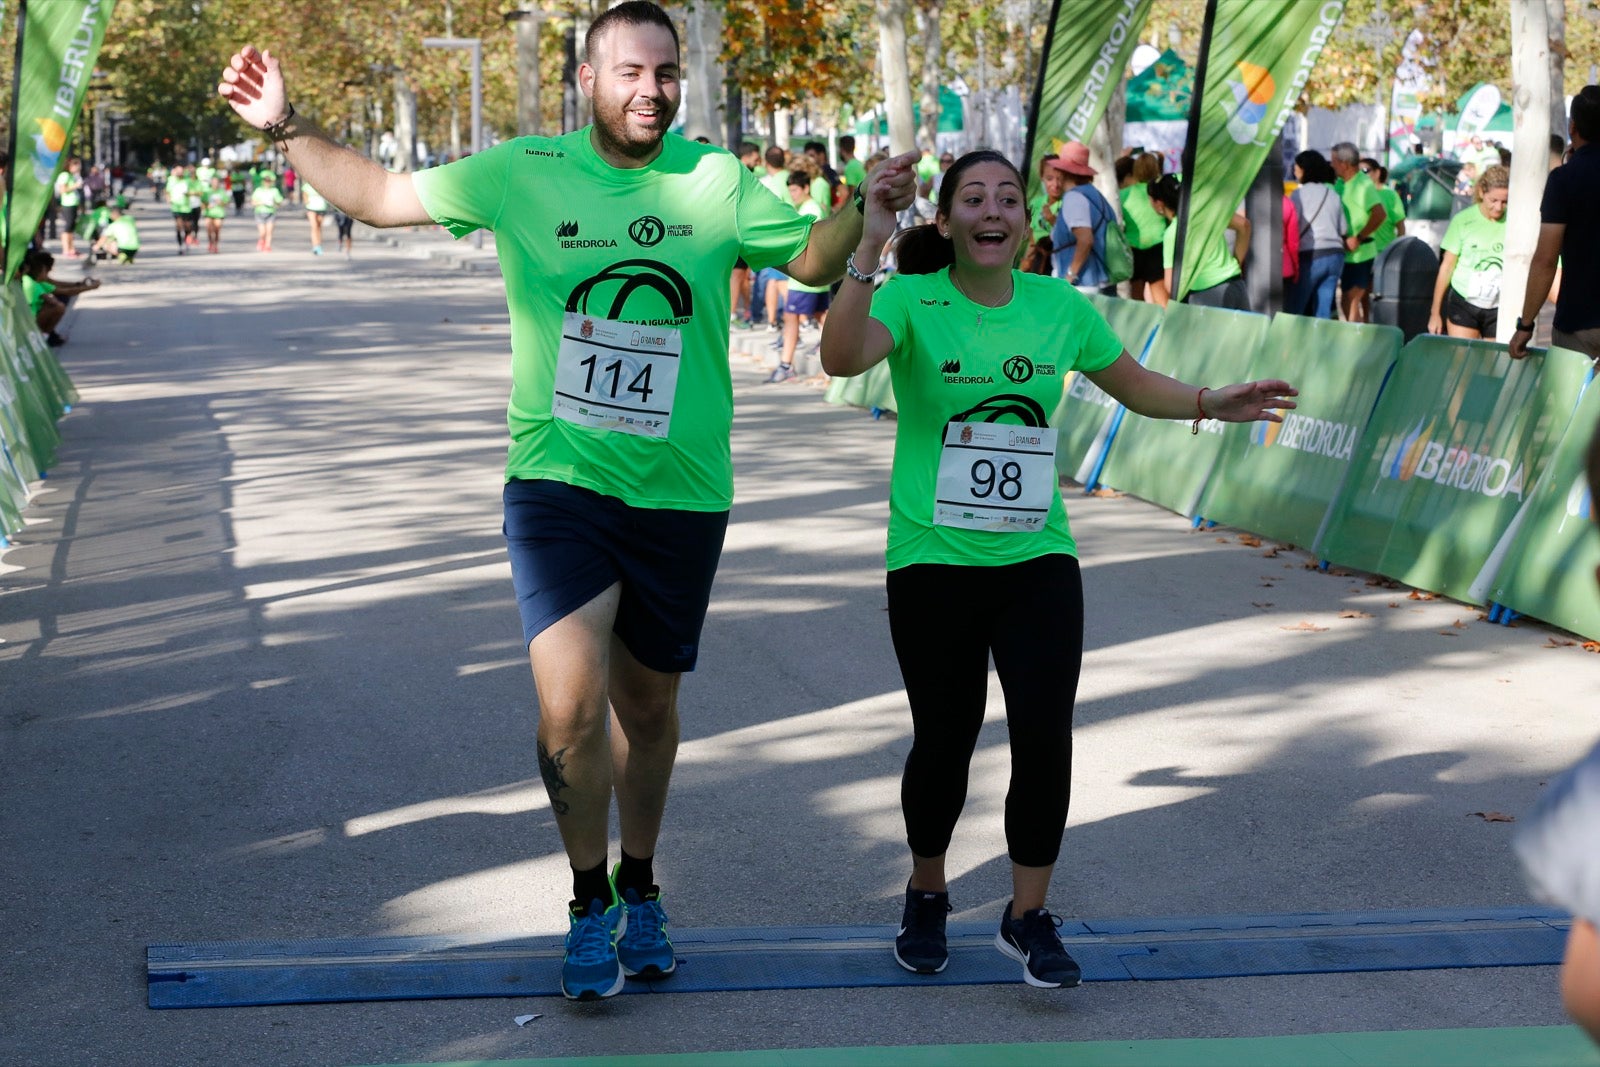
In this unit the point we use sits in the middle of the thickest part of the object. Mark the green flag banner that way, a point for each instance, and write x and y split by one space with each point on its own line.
1549 571
60 40
1260 57
1160 460
1280 480
1086 49
1458 439
1086 418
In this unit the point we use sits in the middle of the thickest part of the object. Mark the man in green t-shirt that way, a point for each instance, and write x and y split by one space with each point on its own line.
851 168
1364 213
1394 222
616 242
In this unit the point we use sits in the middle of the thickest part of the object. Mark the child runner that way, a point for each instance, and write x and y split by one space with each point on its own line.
810 301
265 200
980 556
217 198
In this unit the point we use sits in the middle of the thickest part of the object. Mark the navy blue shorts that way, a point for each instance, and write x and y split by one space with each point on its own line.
1357 275
798 303
568 545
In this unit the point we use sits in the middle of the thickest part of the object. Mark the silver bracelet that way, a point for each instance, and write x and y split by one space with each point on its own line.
853 271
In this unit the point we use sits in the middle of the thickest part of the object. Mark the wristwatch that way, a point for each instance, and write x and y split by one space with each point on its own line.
1524 327
861 200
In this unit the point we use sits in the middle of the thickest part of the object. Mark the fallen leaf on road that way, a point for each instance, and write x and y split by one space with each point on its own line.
1460 624
1338 572
1558 642
1417 594
1494 816
1448 633
1394 603
1353 614
1273 551
1262 606
1222 540
1591 646
1109 494
1306 627
1250 540
1268 585
1383 583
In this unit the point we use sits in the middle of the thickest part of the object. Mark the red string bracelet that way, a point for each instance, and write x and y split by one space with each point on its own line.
1194 427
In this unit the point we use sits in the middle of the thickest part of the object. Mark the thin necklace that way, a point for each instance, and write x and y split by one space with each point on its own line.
983 308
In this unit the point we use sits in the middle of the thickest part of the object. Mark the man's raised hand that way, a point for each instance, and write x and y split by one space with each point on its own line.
253 85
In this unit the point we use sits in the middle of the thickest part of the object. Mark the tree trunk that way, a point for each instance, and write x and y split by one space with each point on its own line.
703 85
1556 15
733 112
529 120
932 69
896 66
405 124
1530 153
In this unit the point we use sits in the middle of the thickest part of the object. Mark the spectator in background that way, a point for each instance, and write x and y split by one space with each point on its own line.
1144 225
121 236
1466 295
853 170
768 287
47 297
1216 276
1291 243
1079 234
69 194
1559 847
1570 231
824 181
1322 232
1363 214
946 161
802 301
1394 223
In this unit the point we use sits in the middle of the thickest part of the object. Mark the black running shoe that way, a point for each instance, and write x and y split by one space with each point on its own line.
920 945
1033 942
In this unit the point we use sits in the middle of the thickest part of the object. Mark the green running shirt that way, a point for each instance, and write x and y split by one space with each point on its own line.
654 247
1479 244
947 367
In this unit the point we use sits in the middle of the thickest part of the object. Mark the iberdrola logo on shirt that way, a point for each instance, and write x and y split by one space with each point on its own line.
643 291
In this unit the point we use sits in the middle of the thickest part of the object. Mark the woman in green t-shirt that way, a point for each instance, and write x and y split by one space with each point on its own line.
1466 295
1216 275
1145 225
981 560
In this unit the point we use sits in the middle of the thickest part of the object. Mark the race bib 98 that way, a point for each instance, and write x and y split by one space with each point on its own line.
995 477
616 376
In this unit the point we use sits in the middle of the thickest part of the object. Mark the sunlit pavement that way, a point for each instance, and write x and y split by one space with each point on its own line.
262 678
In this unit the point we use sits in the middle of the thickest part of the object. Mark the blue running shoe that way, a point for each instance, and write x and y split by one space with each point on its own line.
644 949
591 970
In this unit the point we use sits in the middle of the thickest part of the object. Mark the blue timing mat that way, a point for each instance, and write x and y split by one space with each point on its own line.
235 974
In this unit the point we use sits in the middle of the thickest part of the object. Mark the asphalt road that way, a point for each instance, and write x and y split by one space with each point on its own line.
262 678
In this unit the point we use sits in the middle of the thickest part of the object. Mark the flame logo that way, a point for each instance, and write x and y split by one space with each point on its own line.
1580 501
47 146
1265 434
1252 92
1408 453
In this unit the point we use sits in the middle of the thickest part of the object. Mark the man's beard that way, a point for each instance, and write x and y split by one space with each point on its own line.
625 139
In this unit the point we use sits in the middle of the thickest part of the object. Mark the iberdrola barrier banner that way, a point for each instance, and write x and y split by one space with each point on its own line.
60 40
1280 480
1549 572
1086 49
1159 460
1087 417
1460 436
1260 56
34 393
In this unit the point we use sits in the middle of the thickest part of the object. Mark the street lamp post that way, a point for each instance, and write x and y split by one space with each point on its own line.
475 46
1379 31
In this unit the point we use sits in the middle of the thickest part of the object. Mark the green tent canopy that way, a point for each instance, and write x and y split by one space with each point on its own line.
1161 92
951 114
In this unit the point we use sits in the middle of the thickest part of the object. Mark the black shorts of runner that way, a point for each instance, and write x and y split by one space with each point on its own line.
569 544
1147 264
1455 309
345 223
69 216
1357 276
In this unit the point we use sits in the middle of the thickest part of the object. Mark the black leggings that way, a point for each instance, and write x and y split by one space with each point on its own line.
945 621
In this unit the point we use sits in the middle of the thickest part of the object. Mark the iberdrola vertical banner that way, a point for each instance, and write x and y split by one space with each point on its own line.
58 42
1261 54
1086 49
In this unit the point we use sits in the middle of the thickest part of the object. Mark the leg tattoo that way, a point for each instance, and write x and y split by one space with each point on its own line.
551 766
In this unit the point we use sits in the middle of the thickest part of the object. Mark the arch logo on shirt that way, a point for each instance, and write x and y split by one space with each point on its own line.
643 291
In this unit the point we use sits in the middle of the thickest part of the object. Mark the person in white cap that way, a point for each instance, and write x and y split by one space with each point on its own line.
1079 235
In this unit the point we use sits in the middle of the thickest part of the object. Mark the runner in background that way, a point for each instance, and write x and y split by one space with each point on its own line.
216 209
316 212
266 200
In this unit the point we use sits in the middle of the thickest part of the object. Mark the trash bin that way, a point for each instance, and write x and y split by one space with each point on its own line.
1402 285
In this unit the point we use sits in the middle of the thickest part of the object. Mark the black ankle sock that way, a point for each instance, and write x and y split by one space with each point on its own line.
636 874
591 885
